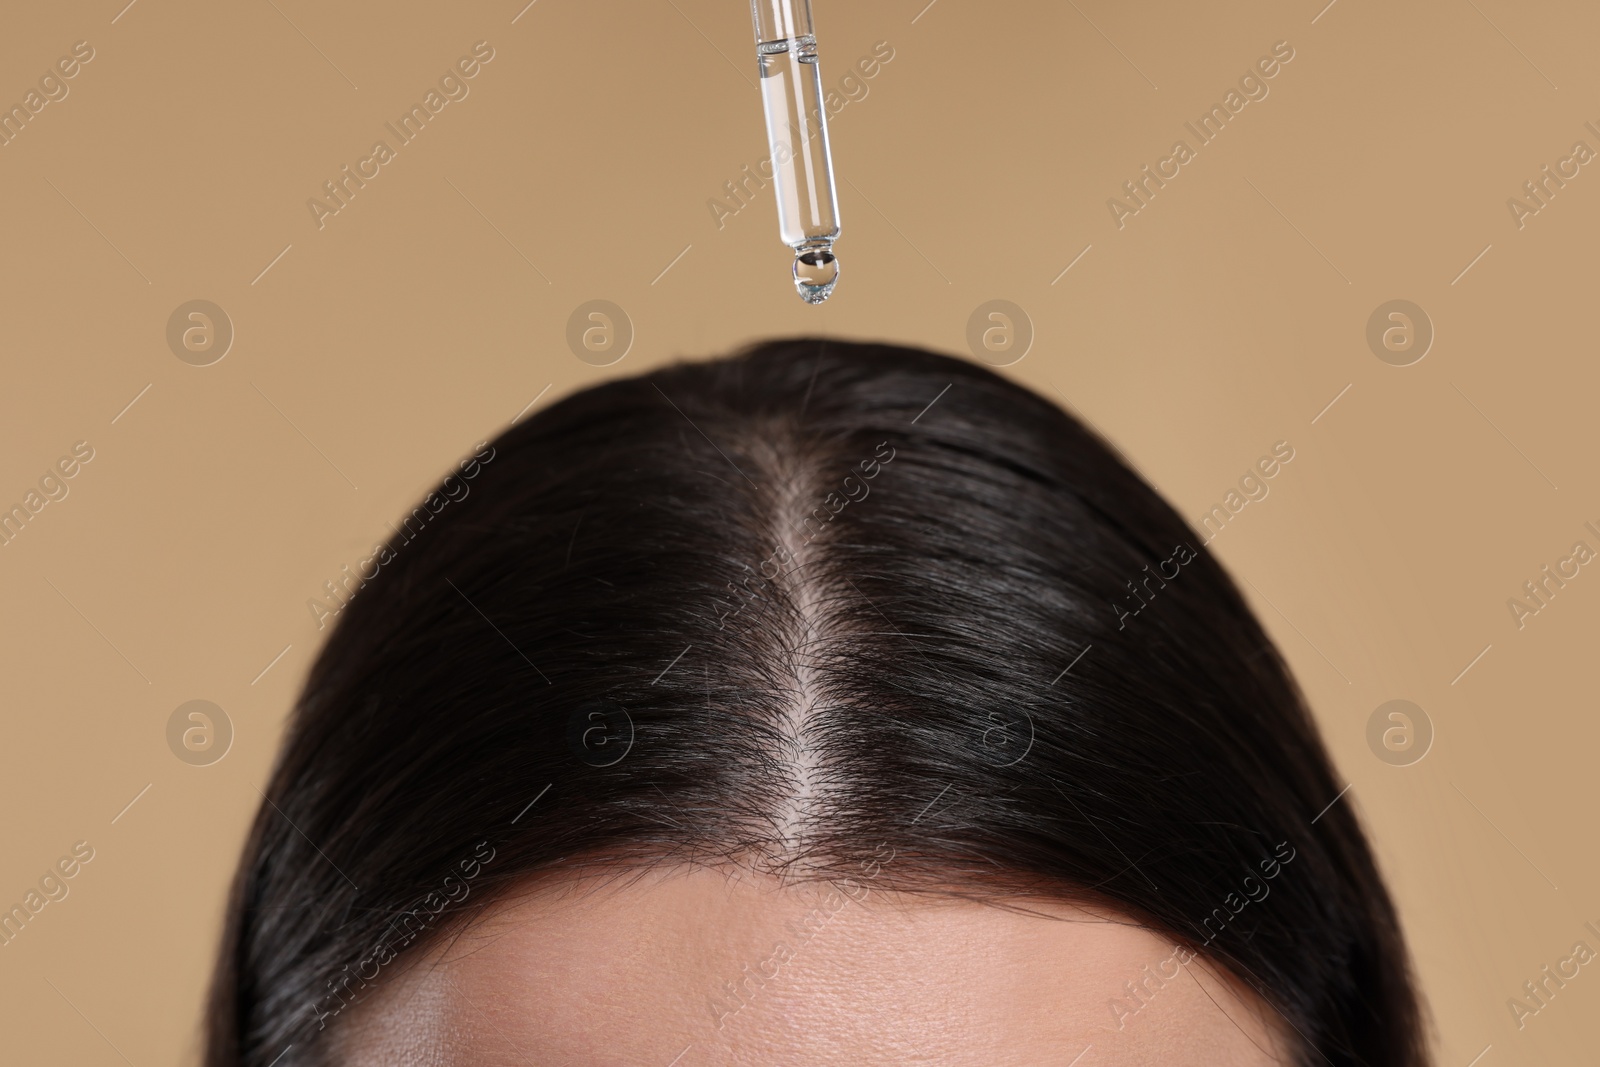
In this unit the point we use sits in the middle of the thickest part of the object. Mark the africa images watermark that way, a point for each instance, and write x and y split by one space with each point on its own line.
452 87
1150 982
1252 484
52 487
53 89
832 504
742 191
1541 190
52 887
1181 554
1551 980
1252 87
1542 588
404 928
742 990
352 583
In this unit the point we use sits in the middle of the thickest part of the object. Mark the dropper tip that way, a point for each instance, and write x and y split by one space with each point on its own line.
816 272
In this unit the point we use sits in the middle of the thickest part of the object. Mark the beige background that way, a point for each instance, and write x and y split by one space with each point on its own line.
1224 317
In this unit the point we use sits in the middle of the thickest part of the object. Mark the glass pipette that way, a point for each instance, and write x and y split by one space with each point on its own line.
797 132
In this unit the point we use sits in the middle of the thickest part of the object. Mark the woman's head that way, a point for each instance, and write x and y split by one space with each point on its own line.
741 701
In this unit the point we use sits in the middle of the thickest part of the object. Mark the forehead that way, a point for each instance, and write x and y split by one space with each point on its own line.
701 968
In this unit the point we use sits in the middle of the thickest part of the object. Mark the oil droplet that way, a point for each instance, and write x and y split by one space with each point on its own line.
816 272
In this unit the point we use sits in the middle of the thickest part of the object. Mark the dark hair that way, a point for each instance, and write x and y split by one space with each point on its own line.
782 610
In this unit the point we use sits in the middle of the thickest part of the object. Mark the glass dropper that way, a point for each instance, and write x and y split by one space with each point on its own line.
797 132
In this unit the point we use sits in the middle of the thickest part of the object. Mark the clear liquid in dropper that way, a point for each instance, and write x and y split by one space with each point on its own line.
802 165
